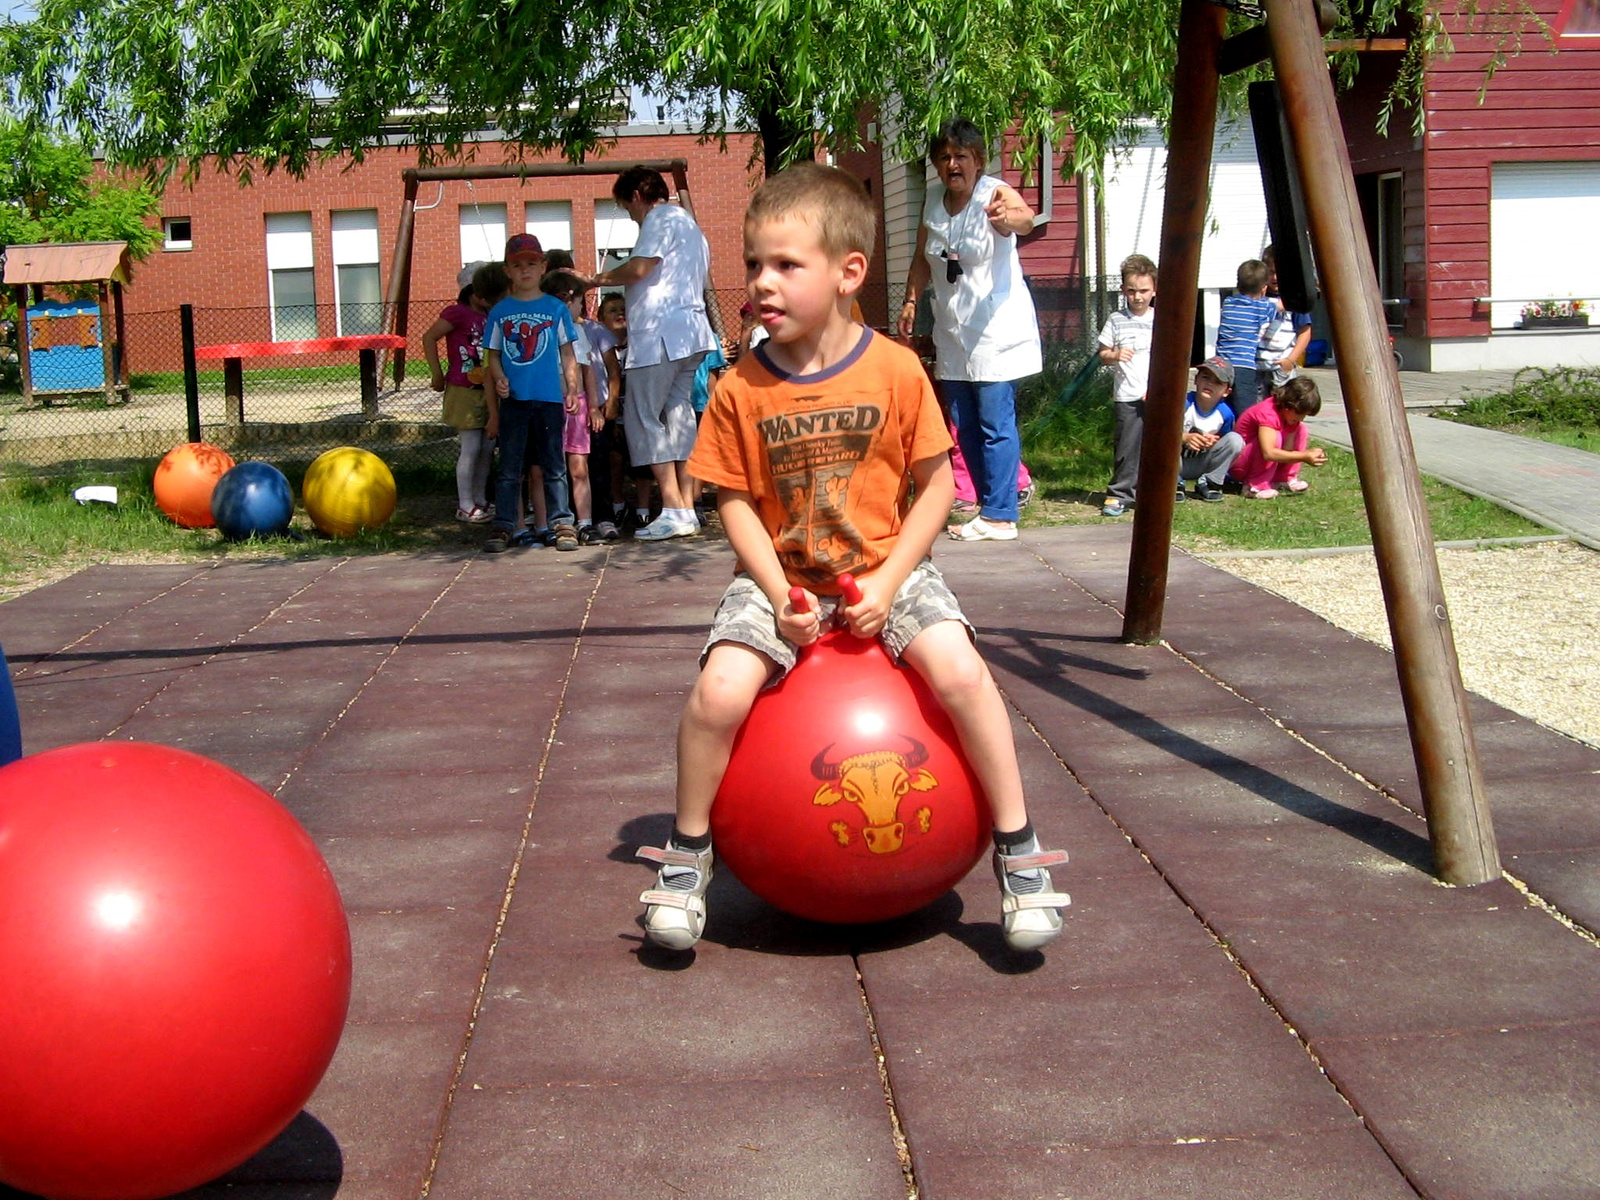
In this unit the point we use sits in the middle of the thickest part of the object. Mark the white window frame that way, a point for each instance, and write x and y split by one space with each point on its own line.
354 233
1535 253
289 248
551 222
176 243
615 234
483 233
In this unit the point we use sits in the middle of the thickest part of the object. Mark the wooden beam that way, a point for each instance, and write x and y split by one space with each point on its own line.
1183 224
1363 45
1435 701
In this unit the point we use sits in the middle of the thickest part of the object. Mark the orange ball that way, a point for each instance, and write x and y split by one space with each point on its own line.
184 481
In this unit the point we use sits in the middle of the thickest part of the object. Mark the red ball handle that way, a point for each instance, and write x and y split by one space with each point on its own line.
850 589
797 600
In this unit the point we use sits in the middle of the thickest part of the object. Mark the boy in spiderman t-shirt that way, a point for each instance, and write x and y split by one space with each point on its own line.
531 384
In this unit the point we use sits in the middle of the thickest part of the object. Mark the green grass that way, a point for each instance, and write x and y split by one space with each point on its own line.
42 526
1560 405
1068 449
211 377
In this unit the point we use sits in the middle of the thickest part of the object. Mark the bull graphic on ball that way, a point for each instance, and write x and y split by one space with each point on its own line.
876 781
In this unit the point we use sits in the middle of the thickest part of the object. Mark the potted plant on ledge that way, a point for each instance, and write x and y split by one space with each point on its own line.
1554 314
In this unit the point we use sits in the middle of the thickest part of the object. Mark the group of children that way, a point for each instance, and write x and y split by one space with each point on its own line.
517 344
1243 420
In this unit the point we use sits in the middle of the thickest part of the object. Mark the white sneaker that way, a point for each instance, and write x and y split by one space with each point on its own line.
675 915
663 528
1030 912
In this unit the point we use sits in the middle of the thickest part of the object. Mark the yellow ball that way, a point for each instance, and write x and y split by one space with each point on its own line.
348 490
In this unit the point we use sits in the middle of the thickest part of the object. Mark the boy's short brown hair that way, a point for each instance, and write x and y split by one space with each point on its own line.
1253 276
832 202
1299 395
490 282
563 285
1135 265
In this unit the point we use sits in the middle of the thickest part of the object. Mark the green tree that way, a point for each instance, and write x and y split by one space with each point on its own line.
273 83
49 193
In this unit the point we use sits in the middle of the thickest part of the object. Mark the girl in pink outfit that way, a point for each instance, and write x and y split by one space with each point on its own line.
1275 438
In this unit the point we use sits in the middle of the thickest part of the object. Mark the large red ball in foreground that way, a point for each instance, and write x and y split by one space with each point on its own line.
176 967
848 798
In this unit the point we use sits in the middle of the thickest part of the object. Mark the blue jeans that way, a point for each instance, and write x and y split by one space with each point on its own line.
986 427
526 424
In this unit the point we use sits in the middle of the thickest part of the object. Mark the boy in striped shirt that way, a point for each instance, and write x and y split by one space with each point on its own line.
1245 316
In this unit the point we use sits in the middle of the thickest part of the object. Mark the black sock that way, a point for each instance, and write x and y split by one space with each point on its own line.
1007 843
682 841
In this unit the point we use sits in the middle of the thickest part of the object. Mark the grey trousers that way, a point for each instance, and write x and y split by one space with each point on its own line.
1211 464
1127 440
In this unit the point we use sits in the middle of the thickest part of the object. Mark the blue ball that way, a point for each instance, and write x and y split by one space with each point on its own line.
10 724
252 500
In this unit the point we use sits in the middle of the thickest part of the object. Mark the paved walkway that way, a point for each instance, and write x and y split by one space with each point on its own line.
1556 486
1261 992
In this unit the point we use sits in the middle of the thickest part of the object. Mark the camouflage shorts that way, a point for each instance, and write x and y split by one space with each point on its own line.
745 615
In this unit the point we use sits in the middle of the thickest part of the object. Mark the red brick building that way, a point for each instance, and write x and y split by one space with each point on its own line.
287 258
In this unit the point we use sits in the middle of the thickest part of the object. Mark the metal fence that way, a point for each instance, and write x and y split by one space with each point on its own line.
291 407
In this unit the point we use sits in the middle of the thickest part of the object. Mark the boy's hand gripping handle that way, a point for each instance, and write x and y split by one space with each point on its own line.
847 587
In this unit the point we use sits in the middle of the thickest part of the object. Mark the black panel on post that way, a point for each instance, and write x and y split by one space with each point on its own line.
1286 206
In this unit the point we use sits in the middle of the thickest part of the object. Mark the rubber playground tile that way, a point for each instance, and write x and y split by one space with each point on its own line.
55 713
638 720
611 917
1067 817
1322 1166
1377 865
797 1137
552 1019
1218 742
368 742
276 753
384 1096
1513 746
392 698
227 732
1098 1065
581 799
452 868
227 687
41 622
1546 813
1351 696
1123 931
1505 1114
1344 974
1192 799
1568 879
1150 684
419 965
327 800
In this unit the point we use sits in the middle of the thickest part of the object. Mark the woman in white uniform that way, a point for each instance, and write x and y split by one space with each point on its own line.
985 333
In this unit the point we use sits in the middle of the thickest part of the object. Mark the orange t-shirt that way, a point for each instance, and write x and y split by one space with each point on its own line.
826 457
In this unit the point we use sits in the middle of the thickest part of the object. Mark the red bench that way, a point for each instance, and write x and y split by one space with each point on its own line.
233 355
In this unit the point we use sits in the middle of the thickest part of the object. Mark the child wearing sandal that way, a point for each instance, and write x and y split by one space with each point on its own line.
872 427
1275 439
